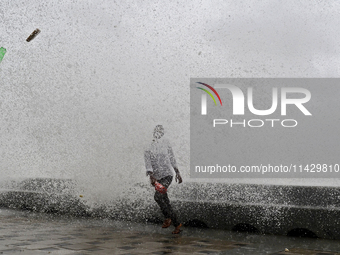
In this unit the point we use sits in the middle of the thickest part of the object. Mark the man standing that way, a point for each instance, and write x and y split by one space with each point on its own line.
159 162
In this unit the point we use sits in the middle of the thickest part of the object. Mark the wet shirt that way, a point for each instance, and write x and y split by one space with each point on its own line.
159 159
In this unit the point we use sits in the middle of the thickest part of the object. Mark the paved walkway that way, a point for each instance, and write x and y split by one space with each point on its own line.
23 232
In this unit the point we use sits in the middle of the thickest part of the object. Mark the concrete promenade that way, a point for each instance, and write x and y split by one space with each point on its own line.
26 232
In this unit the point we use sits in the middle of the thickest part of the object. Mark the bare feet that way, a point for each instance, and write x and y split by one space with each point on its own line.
166 223
177 229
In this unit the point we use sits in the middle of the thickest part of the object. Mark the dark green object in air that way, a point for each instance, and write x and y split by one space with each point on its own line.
34 34
2 53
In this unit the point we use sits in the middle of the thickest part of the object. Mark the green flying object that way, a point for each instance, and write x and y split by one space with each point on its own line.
2 53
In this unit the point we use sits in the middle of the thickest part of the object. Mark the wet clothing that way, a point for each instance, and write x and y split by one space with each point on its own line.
164 202
159 159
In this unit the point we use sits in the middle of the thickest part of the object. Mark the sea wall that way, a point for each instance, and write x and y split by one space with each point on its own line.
267 209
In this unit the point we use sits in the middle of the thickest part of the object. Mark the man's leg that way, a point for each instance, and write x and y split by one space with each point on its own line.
164 202
161 201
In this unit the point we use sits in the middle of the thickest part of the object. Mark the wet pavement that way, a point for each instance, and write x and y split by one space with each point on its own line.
24 232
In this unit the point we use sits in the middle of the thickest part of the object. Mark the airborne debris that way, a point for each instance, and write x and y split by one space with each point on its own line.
2 53
34 34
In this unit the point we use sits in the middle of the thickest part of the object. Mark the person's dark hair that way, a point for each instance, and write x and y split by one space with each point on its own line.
158 132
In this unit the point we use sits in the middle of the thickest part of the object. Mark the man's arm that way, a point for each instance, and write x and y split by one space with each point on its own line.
178 176
148 166
152 179
174 165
